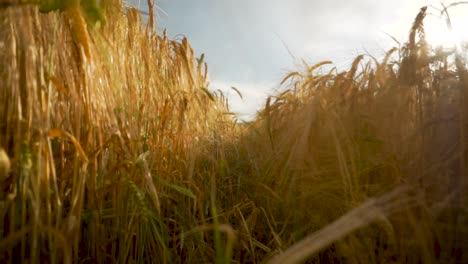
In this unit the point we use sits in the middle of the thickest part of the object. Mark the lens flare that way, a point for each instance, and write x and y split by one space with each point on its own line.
449 28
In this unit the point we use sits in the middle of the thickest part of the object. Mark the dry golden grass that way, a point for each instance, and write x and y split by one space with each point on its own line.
337 140
112 149
102 125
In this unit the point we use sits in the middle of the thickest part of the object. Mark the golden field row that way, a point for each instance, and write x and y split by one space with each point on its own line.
113 149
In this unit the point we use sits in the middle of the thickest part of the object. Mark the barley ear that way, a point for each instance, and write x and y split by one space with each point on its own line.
5 165
79 29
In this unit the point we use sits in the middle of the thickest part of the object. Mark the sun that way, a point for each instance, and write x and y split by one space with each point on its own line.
440 32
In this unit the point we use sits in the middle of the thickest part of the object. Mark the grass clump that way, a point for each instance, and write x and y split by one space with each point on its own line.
114 150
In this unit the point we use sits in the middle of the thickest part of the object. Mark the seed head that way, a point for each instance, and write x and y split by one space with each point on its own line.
5 165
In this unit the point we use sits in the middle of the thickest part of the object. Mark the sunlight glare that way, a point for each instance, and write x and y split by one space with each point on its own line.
438 32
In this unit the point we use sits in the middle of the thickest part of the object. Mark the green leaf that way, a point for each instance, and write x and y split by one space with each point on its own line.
46 6
92 12
90 8
182 190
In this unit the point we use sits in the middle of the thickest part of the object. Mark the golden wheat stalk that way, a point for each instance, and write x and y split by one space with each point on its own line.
79 29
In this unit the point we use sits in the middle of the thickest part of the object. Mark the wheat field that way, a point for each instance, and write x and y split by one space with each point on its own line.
115 149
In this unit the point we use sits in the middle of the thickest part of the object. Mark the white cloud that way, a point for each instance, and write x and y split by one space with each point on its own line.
254 95
247 42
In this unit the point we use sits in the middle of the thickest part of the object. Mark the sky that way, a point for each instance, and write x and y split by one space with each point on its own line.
253 44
